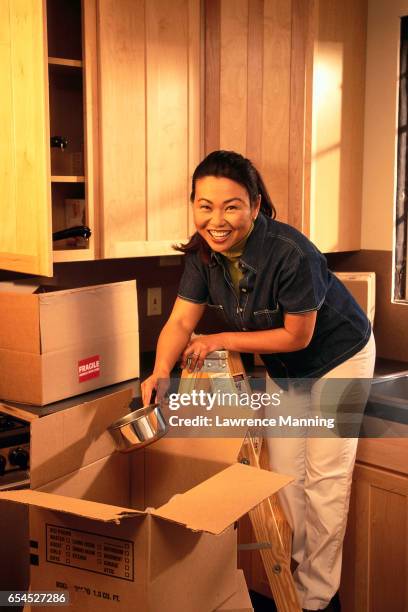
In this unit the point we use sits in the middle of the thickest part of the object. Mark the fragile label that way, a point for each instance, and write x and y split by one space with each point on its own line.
89 368
90 551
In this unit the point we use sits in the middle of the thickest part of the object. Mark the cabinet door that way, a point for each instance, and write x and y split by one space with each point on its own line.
25 209
149 58
284 85
247 86
333 219
375 554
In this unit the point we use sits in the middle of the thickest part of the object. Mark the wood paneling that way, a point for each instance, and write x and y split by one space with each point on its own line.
377 542
304 18
389 453
338 119
388 541
212 75
167 118
247 84
234 71
121 49
276 102
150 63
91 122
285 87
195 96
255 83
25 229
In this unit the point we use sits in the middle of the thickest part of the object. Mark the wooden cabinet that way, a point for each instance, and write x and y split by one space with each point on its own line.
284 85
25 227
375 553
44 94
149 55
142 88
247 86
72 80
121 82
334 132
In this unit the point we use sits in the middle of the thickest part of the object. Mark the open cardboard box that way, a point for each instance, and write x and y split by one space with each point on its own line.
57 344
152 529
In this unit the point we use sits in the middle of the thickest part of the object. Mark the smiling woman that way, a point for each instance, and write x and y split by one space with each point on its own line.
277 294
223 220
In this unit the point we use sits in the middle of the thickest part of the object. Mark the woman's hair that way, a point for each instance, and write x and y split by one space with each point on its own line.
231 165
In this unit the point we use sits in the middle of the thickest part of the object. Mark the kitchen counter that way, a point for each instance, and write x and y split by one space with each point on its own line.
383 367
41 411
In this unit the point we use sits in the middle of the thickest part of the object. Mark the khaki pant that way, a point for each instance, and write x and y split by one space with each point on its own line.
316 503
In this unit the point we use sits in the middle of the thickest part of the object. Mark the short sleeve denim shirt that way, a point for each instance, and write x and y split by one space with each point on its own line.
283 272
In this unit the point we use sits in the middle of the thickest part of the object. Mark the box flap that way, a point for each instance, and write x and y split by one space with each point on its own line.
221 500
71 505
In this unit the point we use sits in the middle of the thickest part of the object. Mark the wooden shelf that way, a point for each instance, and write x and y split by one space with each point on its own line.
63 255
69 63
67 179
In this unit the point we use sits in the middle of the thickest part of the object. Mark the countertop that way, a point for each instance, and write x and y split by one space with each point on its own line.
383 367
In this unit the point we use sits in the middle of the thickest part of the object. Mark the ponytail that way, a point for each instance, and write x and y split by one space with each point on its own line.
267 206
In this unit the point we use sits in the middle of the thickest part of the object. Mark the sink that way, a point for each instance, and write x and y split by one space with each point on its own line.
389 398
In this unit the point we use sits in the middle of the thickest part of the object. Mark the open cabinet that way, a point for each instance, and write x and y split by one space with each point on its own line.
122 78
71 36
48 80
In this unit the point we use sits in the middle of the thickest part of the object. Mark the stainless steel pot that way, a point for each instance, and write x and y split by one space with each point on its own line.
139 428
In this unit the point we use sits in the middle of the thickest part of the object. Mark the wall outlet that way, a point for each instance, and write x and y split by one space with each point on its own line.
154 301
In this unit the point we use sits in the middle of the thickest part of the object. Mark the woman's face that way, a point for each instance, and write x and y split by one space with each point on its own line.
222 212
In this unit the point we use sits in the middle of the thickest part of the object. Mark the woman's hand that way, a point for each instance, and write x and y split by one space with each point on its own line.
155 383
198 349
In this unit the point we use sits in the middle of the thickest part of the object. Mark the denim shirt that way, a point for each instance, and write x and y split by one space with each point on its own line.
283 272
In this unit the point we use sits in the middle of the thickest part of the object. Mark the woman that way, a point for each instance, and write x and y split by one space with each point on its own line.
273 286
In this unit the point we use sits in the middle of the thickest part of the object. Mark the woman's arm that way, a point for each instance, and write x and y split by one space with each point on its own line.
173 338
295 335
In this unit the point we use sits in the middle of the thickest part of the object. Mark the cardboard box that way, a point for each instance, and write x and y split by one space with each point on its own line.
59 344
153 529
240 601
362 287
